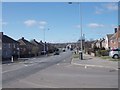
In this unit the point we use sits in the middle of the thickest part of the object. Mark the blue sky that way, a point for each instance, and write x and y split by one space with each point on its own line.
60 20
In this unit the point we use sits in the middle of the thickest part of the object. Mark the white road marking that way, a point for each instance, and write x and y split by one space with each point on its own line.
86 65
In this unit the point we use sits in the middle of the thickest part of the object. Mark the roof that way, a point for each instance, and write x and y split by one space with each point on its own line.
23 41
101 40
35 42
113 37
95 41
6 39
109 35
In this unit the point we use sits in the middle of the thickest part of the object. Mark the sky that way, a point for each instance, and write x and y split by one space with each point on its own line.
59 21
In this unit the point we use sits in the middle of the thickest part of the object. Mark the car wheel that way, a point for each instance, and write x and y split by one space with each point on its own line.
115 56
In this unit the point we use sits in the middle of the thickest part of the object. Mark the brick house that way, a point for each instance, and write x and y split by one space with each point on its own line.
115 39
25 47
9 46
38 48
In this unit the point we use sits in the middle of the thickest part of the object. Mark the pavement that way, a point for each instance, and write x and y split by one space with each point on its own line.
91 61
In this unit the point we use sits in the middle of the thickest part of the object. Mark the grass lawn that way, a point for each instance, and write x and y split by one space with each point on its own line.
109 58
75 56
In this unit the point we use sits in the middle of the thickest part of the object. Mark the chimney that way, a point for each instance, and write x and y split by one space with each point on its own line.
41 41
1 34
115 30
22 38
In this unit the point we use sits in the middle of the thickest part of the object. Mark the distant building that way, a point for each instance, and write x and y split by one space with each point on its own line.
9 46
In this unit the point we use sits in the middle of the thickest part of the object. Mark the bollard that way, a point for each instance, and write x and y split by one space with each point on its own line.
12 59
80 55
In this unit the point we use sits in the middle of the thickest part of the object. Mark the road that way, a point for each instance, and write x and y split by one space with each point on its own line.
56 72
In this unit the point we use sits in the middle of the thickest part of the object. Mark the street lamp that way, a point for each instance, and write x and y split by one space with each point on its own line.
45 42
81 52
81 33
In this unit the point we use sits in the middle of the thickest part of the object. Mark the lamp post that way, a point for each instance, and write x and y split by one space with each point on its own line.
81 54
81 43
45 41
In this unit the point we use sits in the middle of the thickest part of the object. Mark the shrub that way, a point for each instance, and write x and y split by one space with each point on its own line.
102 53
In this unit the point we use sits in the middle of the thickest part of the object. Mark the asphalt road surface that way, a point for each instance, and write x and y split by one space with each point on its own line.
56 72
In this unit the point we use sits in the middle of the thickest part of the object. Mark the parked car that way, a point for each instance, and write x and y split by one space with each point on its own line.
57 52
115 53
63 49
71 49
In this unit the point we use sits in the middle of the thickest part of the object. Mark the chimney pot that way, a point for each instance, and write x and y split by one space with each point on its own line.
22 37
115 30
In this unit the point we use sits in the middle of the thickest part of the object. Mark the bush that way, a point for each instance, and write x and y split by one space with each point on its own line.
102 53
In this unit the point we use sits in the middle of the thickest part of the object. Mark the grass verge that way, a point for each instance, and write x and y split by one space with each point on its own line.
109 58
75 56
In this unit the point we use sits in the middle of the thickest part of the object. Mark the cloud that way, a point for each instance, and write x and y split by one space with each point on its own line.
111 6
106 7
42 27
30 23
43 23
95 25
